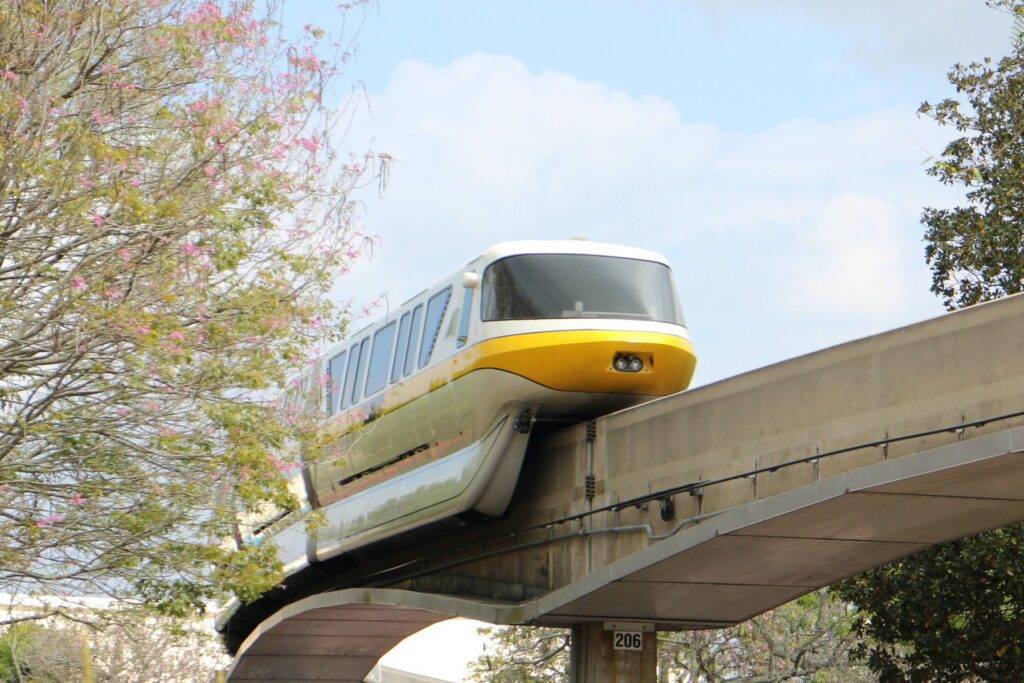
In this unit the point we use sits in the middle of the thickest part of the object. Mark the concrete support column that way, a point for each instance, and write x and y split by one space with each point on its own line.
595 660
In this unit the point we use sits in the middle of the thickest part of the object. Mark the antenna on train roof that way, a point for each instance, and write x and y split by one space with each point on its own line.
579 239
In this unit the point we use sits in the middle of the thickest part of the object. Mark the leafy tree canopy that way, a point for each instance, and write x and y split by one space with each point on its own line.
955 612
951 613
976 250
522 654
172 214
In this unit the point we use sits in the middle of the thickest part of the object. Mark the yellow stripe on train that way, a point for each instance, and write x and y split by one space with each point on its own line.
581 360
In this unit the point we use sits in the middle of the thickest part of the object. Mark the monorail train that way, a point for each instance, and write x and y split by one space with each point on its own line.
432 406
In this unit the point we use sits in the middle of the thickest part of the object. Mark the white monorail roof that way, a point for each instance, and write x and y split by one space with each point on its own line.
577 246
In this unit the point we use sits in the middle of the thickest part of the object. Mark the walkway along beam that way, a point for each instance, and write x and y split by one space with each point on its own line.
921 429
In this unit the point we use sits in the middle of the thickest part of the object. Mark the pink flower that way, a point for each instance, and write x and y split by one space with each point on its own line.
176 336
78 282
122 412
50 519
10 75
282 466
136 182
124 254
76 499
141 329
5 488
98 220
190 248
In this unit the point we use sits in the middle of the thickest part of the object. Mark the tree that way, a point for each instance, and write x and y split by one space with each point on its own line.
30 652
523 654
955 612
134 650
808 639
147 649
171 216
976 251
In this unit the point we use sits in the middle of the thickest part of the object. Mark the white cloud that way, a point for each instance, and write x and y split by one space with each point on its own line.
926 34
851 258
508 142
809 219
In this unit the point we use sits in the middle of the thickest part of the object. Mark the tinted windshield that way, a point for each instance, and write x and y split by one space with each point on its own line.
534 286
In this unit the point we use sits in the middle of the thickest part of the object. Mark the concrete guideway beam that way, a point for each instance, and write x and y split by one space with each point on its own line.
723 570
782 480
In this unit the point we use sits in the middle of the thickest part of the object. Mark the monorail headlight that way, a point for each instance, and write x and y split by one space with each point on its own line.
625 362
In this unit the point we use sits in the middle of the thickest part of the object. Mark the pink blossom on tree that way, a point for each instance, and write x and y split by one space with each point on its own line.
156 298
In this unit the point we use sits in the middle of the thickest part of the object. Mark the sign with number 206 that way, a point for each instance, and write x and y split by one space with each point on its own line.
628 640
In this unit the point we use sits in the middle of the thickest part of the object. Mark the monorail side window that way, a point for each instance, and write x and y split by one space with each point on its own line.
545 286
364 353
402 347
435 314
414 338
336 375
380 357
350 376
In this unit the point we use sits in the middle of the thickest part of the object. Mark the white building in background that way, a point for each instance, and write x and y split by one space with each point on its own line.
386 674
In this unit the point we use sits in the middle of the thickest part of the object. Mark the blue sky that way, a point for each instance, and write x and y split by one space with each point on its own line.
769 148
714 60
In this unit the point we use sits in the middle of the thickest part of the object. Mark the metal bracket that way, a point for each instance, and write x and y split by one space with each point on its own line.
642 626
667 508
590 486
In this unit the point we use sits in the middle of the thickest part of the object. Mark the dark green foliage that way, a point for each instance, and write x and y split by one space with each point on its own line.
976 251
952 613
956 612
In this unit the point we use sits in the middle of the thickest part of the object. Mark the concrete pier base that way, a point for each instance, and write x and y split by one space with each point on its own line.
595 660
